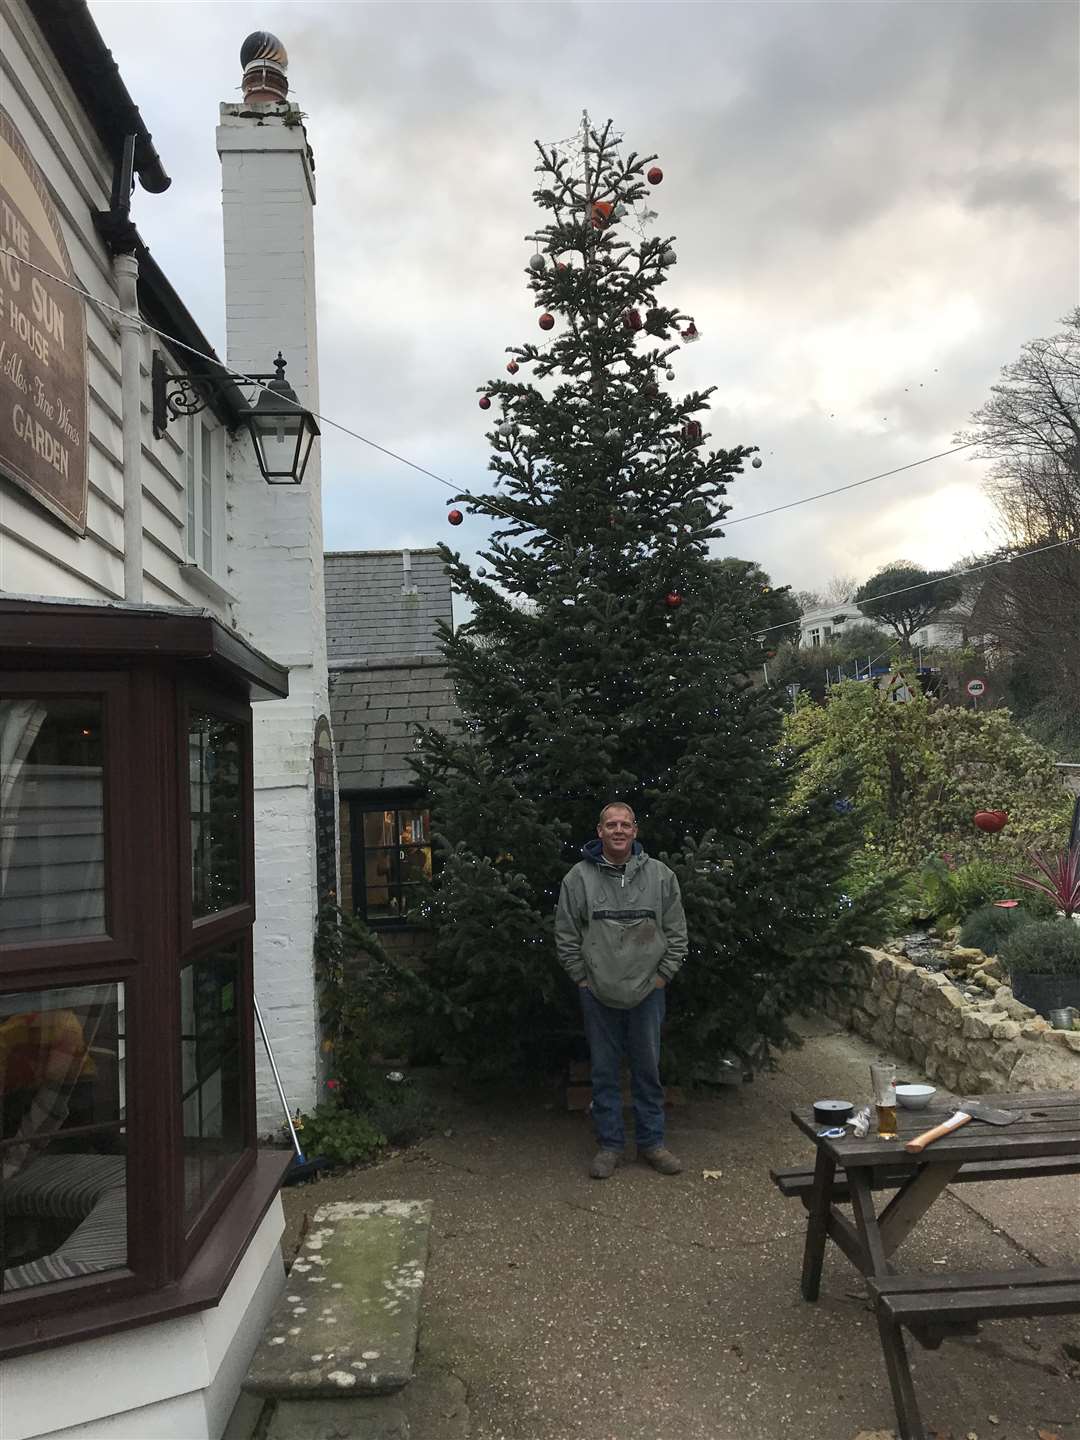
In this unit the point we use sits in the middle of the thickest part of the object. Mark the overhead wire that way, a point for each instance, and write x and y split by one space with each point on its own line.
238 375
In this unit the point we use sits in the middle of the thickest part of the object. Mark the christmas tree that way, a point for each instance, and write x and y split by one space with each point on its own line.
609 657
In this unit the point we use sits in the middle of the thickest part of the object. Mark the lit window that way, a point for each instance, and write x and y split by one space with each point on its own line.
391 862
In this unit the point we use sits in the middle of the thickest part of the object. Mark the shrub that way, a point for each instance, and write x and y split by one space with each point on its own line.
989 927
925 768
341 1135
952 891
1047 947
403 1111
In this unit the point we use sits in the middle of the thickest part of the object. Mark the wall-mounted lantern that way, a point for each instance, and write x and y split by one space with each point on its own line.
281 430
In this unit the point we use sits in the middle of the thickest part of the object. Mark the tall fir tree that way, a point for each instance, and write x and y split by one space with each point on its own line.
609 657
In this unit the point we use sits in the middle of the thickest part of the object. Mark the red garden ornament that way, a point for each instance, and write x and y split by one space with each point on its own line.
691 333
512 367
632 319
991 821
691 431
673 599
655 175
485 402
547 322
601 214
455 517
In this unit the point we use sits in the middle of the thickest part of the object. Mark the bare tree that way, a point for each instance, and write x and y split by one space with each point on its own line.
839 590
1030 428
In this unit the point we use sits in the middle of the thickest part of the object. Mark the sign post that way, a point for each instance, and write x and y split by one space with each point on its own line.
975 688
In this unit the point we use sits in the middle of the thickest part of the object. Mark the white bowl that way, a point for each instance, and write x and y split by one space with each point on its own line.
915 1097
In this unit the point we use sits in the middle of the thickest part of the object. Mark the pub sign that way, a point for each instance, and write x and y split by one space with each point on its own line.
42 342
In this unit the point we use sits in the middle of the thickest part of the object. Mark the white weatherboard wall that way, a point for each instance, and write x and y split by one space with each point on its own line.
176 1380
38 555
268 195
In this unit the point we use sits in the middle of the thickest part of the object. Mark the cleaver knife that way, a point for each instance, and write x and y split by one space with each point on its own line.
971 1110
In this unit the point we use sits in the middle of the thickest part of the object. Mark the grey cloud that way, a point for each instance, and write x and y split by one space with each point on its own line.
857 192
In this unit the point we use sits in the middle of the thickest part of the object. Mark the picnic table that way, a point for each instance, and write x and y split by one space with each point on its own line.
1043 1141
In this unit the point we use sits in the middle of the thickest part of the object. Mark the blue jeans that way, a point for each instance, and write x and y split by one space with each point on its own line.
611 1033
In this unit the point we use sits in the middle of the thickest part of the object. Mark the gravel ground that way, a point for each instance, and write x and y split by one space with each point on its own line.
646 1307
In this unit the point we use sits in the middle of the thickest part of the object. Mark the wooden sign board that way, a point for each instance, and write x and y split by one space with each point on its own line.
42 342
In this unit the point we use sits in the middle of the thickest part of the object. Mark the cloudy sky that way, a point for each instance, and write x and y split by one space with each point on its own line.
875 205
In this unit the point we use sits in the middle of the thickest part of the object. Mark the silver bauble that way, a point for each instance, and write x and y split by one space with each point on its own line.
536 262
671 374
756 462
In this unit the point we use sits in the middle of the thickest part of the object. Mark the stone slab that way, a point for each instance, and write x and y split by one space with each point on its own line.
432 1408
348 1321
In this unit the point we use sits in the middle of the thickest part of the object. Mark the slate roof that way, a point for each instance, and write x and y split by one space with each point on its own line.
370 614
386 668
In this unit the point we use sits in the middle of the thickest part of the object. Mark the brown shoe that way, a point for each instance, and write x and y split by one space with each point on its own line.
604 1163
662 1160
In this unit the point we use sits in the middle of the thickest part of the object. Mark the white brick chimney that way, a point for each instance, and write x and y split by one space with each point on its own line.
275 548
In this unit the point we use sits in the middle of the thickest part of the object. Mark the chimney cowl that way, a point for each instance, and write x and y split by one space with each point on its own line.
265 61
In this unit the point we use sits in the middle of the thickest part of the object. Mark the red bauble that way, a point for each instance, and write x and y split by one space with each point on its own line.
991 821
512 366
673 599
547 321
455 517
655 175
601 214
691 431
632 319
485 402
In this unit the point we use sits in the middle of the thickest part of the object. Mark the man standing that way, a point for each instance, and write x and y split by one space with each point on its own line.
620 933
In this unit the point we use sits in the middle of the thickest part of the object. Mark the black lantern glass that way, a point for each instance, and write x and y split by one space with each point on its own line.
282 431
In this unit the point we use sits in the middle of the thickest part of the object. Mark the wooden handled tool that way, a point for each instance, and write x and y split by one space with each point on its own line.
971 1111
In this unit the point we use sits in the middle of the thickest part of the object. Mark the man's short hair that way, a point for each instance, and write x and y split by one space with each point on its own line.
617 805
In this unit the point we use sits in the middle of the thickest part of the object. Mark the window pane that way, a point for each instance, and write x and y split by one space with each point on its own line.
379 828
192 531
212 1076
411 899
217 828
207 456
414 827
52 832
63 1172
379 883
415 863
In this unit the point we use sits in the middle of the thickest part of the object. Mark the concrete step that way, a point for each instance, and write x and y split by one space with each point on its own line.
347 1323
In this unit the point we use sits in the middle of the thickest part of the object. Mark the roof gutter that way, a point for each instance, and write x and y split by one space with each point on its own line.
93 74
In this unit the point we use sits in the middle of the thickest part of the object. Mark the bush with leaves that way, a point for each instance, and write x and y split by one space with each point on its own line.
340 1135
1048 947
989 927
924 769
369 1003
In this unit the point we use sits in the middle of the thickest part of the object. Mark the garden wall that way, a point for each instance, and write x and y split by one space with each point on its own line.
971 1037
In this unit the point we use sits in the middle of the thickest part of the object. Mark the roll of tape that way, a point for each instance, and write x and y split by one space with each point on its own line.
833 1112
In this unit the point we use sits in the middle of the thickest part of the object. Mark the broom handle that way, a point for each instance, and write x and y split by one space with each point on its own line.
277 1081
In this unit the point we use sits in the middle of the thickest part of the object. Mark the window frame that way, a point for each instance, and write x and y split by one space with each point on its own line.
149 936
204 471
372 802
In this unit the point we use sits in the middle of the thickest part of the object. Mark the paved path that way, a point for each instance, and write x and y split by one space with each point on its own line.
653 1308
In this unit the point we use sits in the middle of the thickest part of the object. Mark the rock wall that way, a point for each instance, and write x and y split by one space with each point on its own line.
973 1037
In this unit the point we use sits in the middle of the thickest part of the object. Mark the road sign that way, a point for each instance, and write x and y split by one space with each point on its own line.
975 688
895 687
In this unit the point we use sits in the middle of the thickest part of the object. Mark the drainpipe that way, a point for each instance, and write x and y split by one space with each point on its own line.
130 327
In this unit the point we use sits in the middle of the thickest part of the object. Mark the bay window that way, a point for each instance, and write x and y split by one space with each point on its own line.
127 1125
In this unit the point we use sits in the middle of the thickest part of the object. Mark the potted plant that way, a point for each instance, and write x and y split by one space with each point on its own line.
1043 961
1062 879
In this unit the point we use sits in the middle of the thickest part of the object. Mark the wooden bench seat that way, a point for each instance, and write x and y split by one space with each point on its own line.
800 1182
934 1307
